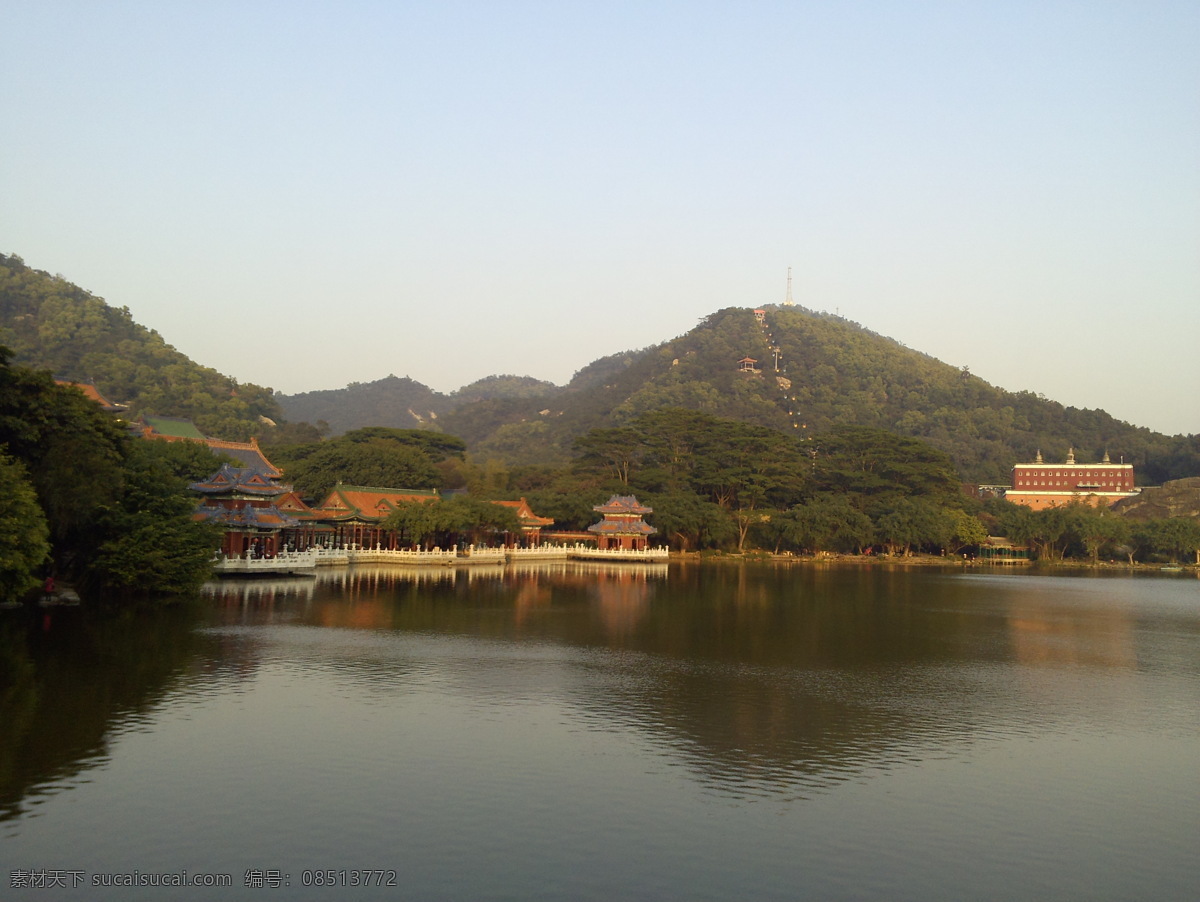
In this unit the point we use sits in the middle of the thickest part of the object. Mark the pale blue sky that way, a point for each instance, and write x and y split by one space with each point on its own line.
308 194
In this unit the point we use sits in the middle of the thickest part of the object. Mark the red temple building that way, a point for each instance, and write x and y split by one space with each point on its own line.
622 526
354 514
244 502
1040 485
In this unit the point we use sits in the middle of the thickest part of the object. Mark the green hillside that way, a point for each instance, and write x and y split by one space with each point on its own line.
51 324
831 372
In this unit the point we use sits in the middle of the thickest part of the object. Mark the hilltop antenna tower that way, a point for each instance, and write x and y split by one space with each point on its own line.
788 302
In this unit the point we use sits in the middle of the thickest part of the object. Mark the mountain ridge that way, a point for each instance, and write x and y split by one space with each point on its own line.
830 372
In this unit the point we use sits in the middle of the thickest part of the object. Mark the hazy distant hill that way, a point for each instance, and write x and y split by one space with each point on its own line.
400 403
502 387
392 401
53 325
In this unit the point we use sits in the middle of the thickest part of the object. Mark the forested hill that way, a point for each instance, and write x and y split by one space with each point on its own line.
51 324
831 372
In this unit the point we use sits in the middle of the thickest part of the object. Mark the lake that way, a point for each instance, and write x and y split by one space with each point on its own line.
582 732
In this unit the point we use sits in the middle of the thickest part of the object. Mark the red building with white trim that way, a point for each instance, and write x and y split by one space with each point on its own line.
1040 485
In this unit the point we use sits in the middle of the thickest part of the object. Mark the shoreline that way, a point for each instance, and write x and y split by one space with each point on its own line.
926 560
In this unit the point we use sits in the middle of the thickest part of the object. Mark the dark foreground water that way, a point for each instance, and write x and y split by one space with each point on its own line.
581 733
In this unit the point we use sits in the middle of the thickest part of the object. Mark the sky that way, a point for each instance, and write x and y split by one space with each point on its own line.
308 194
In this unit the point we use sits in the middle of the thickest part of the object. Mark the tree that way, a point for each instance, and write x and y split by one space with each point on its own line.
690 522
24 535
117 508
474 521
148 544
1098 527
880 465
1050 531
618 450
1175 538
434 445
447 523
828 523
966 530
414 521
913 522
739 467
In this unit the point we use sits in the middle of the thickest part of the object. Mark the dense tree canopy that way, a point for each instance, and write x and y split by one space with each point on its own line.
375 455
879 466
458 520
24 535
117 509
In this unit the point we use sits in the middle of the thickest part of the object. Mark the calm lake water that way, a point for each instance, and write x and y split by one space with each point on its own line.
588 733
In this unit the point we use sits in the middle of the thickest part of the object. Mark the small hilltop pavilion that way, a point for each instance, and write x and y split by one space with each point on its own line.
622 527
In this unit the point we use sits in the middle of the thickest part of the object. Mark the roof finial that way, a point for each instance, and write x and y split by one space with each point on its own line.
1071 456
1038 459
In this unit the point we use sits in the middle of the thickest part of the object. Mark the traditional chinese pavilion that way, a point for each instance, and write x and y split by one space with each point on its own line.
244 502
622 527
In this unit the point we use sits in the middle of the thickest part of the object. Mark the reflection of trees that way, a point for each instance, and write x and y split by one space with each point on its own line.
761 680
70 679
783 681
769 681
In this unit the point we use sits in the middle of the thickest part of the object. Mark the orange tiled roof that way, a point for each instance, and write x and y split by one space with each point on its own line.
525 514
293 504
248 454
349 502
623 504
93 394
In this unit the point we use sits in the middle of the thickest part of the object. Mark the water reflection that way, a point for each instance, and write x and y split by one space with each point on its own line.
758 680
780 679
71 681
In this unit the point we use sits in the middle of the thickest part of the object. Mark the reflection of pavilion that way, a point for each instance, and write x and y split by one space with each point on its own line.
623 595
